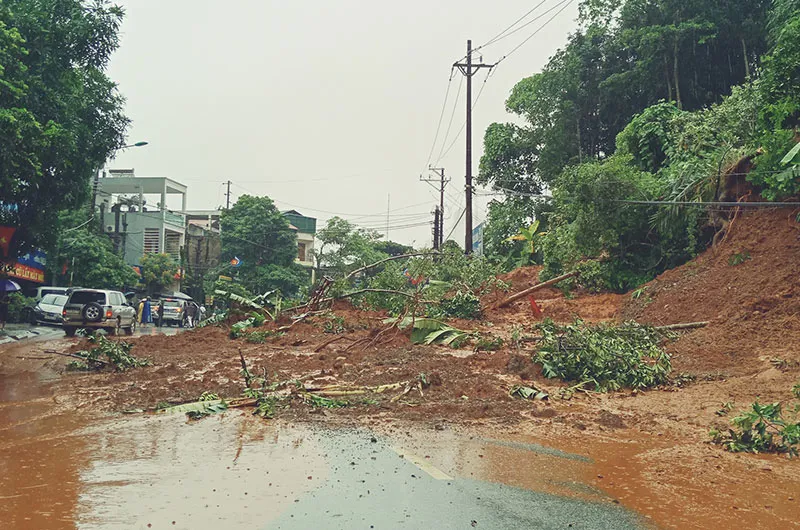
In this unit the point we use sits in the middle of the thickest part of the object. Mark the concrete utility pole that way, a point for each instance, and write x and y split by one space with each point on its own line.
469 69
442 184
437 224
228 197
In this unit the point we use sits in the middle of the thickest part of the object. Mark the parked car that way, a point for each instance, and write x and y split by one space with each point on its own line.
174 312
98 309
40 292
49 309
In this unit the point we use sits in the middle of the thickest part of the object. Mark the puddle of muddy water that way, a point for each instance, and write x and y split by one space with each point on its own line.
227 471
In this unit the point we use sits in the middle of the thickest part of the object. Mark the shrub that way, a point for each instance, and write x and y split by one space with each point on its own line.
605 356
762 429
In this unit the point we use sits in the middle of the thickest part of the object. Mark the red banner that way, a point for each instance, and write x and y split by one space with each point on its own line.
23 272
6 234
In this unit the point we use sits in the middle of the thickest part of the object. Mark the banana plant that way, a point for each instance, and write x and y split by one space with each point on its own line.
528 236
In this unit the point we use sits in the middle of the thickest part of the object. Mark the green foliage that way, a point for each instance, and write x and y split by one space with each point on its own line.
89 255
260 337
527 392
605 356
796 391
335 325
257 233
462 305
19 306
255 320
60 115
344 247
488 343
738 258
107 352
158 271
762 429
432 331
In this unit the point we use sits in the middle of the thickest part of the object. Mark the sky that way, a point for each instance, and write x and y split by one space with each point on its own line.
329 108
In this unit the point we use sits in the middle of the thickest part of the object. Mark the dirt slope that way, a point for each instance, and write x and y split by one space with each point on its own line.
753 306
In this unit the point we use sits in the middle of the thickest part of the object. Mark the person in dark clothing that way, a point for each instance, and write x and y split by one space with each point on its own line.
160 311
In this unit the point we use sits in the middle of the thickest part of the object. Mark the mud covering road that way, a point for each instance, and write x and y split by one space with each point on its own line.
234 471
649 450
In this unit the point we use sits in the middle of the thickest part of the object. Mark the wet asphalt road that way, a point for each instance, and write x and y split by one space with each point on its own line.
68 469
378 485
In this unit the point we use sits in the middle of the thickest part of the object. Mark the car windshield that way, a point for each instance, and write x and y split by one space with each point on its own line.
54 299
84 297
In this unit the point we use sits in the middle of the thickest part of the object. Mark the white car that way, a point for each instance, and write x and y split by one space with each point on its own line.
49 309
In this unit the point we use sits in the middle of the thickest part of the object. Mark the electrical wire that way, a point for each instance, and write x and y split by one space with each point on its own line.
520 19
452 115
455 225
441 116
565 5
464 125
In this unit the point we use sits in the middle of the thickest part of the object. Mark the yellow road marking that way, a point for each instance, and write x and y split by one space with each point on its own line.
421 463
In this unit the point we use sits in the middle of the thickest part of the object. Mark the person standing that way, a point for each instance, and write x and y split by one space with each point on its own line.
160 312
191 313
3 310
140 311
147 312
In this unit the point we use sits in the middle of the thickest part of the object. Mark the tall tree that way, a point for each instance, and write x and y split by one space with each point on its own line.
255 232
60 115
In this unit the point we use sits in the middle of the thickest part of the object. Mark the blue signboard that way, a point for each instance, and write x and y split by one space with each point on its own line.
36 259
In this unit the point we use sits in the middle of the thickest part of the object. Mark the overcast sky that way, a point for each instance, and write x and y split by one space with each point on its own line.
327 107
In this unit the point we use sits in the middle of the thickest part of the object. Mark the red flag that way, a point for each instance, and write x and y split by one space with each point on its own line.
6 234
535 307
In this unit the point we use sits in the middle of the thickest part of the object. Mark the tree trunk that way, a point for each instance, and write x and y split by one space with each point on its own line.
675 73
746 60
669 83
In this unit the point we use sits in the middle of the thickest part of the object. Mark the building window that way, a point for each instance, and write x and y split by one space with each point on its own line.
152 237
301 252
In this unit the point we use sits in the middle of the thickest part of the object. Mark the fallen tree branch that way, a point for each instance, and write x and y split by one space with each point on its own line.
522 294
677 327
384 291
390 258
329 342
84 359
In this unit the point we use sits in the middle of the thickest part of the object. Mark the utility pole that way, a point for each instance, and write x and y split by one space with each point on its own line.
437 219
469 69
439 171
228 197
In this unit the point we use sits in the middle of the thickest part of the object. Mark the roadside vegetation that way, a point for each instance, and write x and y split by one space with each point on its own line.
648 101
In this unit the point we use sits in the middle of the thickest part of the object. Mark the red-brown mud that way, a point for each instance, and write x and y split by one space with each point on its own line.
651 448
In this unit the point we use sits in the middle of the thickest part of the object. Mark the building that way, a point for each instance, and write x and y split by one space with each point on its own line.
306 228
134 223
148 215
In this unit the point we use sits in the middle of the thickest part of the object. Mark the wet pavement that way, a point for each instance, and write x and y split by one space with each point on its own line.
237 471
68 468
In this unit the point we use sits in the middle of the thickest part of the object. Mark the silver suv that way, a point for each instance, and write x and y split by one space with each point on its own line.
97 308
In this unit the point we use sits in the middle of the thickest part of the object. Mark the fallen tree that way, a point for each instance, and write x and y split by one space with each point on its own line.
522 294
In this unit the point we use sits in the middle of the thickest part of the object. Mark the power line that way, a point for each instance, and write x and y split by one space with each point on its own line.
450 123
464 125
566 4
441 116
456 224
502 35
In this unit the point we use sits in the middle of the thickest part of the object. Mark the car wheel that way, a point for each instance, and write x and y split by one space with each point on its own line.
92 312
69 332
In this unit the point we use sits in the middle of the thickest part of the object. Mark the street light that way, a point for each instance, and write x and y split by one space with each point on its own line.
137 144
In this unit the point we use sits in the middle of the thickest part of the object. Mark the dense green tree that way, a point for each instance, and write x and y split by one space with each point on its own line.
343 246
256 232
159 271
60 115
82 256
